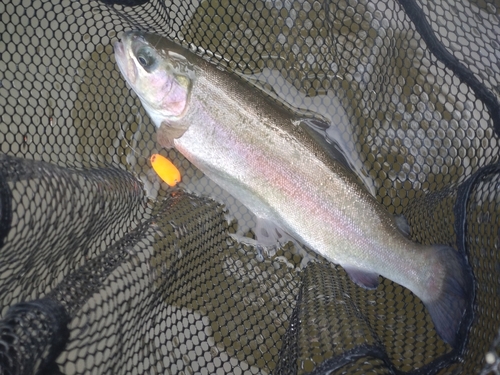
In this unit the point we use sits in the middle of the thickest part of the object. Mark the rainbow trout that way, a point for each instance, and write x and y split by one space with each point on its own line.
258 152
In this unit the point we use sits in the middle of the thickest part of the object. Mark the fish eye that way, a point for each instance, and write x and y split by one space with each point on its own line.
145 58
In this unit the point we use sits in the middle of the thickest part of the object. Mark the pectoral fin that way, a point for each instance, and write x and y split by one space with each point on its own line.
166 134
365 279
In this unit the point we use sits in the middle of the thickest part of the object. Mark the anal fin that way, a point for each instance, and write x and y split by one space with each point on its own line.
402 225
365 279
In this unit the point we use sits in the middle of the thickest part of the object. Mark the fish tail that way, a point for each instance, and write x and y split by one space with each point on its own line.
448 291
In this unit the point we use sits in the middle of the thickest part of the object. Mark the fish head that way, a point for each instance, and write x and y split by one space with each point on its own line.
160 76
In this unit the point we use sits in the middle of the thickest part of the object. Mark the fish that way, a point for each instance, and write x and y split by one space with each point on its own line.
258 152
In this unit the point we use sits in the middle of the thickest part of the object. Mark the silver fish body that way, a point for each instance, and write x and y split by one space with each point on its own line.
257 151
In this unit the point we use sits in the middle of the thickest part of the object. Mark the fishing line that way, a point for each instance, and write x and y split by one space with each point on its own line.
138 119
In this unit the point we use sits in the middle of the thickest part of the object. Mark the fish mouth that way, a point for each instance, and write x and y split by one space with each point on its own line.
120 55
124 61
119 49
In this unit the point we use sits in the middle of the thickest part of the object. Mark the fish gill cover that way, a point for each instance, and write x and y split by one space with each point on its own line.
150 279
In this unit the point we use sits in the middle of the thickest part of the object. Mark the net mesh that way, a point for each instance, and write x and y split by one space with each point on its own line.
103 269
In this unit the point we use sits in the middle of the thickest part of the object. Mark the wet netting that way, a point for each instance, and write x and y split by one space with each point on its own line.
106 270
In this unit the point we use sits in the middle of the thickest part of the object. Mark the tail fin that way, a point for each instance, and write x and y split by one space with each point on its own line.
449 288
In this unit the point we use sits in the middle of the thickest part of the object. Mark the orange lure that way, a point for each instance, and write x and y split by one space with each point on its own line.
165 169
